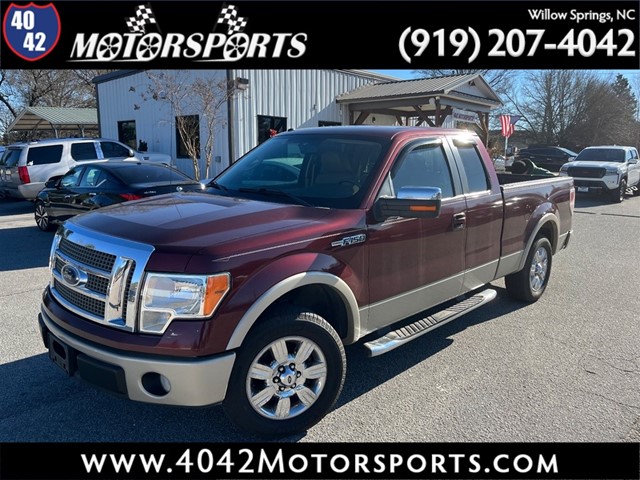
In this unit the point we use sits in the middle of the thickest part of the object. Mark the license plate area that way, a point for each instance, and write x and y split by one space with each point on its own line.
61 354
583 189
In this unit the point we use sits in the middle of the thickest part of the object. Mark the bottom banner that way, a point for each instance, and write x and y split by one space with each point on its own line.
53 461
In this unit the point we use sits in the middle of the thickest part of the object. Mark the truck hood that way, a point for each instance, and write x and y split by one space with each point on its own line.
204 223
592 164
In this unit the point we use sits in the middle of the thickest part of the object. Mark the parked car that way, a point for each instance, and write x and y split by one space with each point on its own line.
605 169
25 167
550 158
94 185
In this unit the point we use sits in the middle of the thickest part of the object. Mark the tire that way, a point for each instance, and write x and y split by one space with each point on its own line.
529 284
618 194
255 402
636 191
42 218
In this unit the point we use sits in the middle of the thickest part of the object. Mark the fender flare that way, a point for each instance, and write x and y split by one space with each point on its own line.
546 218
289 284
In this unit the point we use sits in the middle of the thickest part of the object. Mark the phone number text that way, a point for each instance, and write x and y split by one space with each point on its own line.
467 43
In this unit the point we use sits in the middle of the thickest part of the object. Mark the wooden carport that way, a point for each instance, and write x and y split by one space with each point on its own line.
425 101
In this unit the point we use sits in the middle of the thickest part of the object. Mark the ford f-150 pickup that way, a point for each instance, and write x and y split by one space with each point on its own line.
318 238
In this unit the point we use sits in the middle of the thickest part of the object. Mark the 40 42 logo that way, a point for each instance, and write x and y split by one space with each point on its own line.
31 31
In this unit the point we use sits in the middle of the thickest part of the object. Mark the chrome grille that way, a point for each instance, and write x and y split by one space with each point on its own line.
97 276
83 302
88 256
98 284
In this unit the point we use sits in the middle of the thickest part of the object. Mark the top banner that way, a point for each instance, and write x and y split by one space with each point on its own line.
317 34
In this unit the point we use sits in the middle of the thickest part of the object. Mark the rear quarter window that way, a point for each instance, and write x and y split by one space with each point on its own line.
44 155
83 151
473 165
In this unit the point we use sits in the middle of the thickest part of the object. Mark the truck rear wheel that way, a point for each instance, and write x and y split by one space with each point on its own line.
288 374
530 283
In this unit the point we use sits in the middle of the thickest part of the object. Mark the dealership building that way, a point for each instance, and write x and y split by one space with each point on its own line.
232 111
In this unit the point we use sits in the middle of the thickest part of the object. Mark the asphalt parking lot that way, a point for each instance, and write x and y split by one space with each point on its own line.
566 369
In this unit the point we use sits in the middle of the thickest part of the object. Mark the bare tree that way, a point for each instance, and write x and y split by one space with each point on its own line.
197 104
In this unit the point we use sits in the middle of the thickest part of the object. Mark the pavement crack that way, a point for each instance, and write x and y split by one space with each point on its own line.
2 295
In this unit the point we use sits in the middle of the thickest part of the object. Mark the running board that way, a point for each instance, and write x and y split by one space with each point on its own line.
404 335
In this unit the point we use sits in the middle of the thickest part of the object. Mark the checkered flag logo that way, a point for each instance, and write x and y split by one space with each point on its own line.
144 16
229 16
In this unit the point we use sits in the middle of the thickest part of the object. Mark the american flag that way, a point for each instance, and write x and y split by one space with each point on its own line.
144 16
229 15
507 122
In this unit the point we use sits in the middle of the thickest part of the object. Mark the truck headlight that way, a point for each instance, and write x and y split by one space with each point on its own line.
166 296
612 170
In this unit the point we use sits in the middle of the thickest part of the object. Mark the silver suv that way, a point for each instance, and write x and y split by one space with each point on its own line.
26 167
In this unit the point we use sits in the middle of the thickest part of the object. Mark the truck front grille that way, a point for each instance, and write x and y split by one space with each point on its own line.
586 172
98 277
83 302
100 260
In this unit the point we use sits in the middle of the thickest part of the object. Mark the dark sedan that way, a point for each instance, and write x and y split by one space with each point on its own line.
551 158
90 186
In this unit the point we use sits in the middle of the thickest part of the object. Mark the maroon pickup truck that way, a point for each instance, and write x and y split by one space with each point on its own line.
246 295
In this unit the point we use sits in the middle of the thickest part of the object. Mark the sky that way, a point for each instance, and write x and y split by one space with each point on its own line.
401 74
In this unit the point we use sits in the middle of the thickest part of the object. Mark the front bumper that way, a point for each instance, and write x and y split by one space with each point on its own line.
605 184
194 382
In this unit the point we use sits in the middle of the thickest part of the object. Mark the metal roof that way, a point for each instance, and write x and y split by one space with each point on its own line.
55 118
416 88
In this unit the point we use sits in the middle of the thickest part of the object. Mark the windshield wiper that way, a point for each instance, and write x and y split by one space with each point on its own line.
277 193
218 186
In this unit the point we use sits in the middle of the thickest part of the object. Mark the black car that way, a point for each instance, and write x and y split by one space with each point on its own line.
551 158
94 185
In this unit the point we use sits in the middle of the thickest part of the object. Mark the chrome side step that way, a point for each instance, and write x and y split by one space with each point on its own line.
418 328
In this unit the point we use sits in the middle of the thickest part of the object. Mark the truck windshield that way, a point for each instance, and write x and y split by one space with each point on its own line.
602 155
321 170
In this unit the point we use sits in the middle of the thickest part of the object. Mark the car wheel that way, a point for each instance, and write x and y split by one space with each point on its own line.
288 374
529 284
618 194
42 218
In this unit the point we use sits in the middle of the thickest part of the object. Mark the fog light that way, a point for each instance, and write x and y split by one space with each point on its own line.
156 384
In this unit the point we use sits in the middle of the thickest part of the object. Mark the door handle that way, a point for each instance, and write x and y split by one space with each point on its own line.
459 221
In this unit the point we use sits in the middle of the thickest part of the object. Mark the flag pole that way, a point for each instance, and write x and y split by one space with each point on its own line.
506 142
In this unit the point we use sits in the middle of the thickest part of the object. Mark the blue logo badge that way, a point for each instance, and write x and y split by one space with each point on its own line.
31 31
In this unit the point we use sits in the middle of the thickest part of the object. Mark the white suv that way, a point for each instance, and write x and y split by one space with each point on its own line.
610 169
25 167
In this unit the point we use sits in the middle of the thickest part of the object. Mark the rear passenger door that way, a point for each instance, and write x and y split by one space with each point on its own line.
484 211
62 198
415 263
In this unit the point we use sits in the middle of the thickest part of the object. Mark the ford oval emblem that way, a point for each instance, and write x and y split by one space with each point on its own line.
179 188
72 276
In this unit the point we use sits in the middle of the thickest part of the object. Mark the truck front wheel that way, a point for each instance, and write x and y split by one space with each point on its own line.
288 374
530 283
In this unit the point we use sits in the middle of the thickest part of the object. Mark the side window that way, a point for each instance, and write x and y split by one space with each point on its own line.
71 178
113 150
473 168
424 166
634 153
92 177
83 151
44 155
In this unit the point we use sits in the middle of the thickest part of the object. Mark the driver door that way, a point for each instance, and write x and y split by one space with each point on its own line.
416 263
